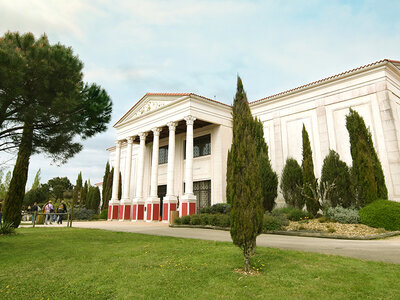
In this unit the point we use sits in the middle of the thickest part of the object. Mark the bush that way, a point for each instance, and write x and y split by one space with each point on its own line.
343 215
335 171
195 220
204 219
219 208
185 220
291 213
223 220
271 223
6 228
104 214
178 221
82 213
291 183
381 214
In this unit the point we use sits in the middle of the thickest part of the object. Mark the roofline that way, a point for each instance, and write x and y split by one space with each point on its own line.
325 80
169 94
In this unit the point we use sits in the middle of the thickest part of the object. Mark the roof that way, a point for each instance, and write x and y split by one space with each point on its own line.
168 94
380 62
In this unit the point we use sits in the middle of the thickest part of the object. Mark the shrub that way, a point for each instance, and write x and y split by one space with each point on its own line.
82 213
204 219
104 214
271 223
291 183
213 220
95 217
219 208
335 172
6 228
381 214
178 221
223 220
291 213
185 220
195 220
343 215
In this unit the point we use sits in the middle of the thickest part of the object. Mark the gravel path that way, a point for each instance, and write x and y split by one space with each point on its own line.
386 250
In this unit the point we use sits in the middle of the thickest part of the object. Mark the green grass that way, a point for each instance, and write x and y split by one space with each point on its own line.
65 263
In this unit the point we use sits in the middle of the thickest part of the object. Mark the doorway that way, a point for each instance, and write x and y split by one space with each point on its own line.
161 192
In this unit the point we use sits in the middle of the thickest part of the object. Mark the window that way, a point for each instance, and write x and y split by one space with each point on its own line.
163 155
201 146
202 191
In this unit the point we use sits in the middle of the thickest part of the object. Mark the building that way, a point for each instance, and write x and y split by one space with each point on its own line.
172 148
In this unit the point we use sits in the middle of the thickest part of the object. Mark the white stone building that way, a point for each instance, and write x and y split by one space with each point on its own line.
172 148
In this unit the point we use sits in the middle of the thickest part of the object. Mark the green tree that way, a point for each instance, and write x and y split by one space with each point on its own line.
269 179
108 188
105 179
120 186
45 105
58 186
39 195
36 181
309 180
77 189
292 183
366 171
84 192
4 185
243 179
335 179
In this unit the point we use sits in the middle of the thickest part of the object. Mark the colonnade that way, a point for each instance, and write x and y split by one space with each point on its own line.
148 208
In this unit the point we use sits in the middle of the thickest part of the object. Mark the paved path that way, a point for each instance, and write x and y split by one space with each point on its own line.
387 250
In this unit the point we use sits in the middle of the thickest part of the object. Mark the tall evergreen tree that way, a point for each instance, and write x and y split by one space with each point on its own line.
269 179
335 178
366 170
77 189
84 192
120 186
309 180
292 184
95 202
243 179
105 178
36 181
108 189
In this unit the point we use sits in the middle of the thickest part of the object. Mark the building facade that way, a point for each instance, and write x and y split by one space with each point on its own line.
172 149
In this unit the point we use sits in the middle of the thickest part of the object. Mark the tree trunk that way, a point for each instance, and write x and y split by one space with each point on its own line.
16 191
246 254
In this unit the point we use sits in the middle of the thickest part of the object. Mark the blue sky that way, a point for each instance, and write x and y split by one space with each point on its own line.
134 47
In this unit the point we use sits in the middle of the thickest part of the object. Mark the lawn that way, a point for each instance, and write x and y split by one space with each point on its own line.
69 263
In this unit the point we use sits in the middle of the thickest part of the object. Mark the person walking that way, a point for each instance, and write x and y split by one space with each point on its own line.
62 208
34 210
48 209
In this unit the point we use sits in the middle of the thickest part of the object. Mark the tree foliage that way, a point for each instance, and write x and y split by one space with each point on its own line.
36 181
269 179
367 173
44 105
39 194
292 183
84 193
336 174
77 189
58 186
309 180
107 185
4 184
243 179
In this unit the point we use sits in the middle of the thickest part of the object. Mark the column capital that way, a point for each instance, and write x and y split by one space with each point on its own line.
189 120
118 143
156 131
130 139
172 126
142 135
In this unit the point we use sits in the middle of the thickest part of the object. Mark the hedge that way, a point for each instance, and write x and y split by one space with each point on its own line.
220 220
381 214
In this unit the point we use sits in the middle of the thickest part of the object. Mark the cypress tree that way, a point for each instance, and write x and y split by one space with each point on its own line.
96 199
292 183
309 181
120 186
335 172
77 189
367 170
108 189
105 178
243 179
84 192
269 179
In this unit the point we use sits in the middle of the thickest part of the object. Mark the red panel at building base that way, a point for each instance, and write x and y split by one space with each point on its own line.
109 212
148 212
134 213
127 214
184 209
114 211
121 213
156 212
192 208
165 212
140 212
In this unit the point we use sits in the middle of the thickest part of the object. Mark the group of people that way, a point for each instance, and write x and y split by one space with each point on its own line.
52 214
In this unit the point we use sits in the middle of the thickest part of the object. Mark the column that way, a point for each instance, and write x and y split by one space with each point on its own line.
138 202
188 199
153 202
125 209
113 205
170 200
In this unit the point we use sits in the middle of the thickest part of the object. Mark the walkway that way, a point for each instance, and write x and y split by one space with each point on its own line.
387 250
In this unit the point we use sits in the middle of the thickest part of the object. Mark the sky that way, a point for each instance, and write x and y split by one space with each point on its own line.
133 47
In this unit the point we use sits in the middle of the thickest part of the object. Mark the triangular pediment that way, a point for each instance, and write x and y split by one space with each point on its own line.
148 103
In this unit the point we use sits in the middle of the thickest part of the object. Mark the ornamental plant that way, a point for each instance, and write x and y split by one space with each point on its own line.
292 183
